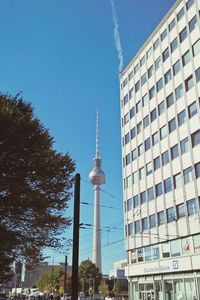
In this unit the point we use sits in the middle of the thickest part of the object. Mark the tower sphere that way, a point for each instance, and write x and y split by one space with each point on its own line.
97 176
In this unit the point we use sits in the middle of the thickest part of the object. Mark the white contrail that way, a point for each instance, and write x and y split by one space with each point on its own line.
117 36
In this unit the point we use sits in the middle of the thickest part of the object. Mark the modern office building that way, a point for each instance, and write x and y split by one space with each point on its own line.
160 111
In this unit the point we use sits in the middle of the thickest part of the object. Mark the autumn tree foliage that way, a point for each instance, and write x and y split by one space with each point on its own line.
35 186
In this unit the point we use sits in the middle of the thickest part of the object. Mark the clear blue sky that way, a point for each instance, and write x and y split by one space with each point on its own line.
61 55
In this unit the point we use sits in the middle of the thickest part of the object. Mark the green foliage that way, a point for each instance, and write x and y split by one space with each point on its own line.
35 183
103 288
50 281
89 276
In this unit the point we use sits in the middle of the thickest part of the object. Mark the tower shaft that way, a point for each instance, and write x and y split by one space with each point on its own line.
96 256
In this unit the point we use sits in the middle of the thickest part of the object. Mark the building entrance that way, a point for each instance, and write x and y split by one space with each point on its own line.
146 295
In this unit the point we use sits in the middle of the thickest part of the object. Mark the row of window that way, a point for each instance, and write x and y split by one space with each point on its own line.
159 135
163 35
163 187
186 57
173 248
165 216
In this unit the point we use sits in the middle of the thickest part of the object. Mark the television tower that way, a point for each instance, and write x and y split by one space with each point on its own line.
97 177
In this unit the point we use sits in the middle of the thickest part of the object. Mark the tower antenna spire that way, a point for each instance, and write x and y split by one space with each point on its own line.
97 134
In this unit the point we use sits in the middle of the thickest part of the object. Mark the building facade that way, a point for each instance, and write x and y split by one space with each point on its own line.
160 114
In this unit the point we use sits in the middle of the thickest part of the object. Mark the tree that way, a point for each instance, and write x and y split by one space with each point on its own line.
89 276
103 288
50 281
35 186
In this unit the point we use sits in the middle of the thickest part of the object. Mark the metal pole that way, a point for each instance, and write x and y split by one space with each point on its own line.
76 237
65 278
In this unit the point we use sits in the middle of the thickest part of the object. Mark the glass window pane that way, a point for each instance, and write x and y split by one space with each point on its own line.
193 23
196 138
196 240
170 215
187 173
183 35
191 207
180 211
196 47
192 109
175 248
174 152
185 145
161 217
185 246
150 193
181 117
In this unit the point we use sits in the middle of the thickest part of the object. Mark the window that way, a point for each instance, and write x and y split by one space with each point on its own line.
175 248
130 229
137 86
159 190
180 211
156 163
197 73
129 204
140 149
148 253
147 144
127 138
146 121
137 227
125 99
142 61
167 185
131 93
159 85
151 92
170 100
132 112
128 181
165 54
186 58
161 218
170 215
165 158
153 115
125 82
174 45
172 125
155 138
149 52
136 201
196 240
176 67
165 250
192 109
163 132
150 72
133 154
168 76
157 63
163 35
191 207
136 68
177 180
196 48
139 127
140 254
179 92
181 117
174 152
189 3
144 100
143 197
150 193
193 23
152 221
180 14
149 168
196 138
126 118
189 83
161 108
133 133
187 175
185 145
143 79
156 44
144 224
128 159
130 75
183 35
172 25
135 177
